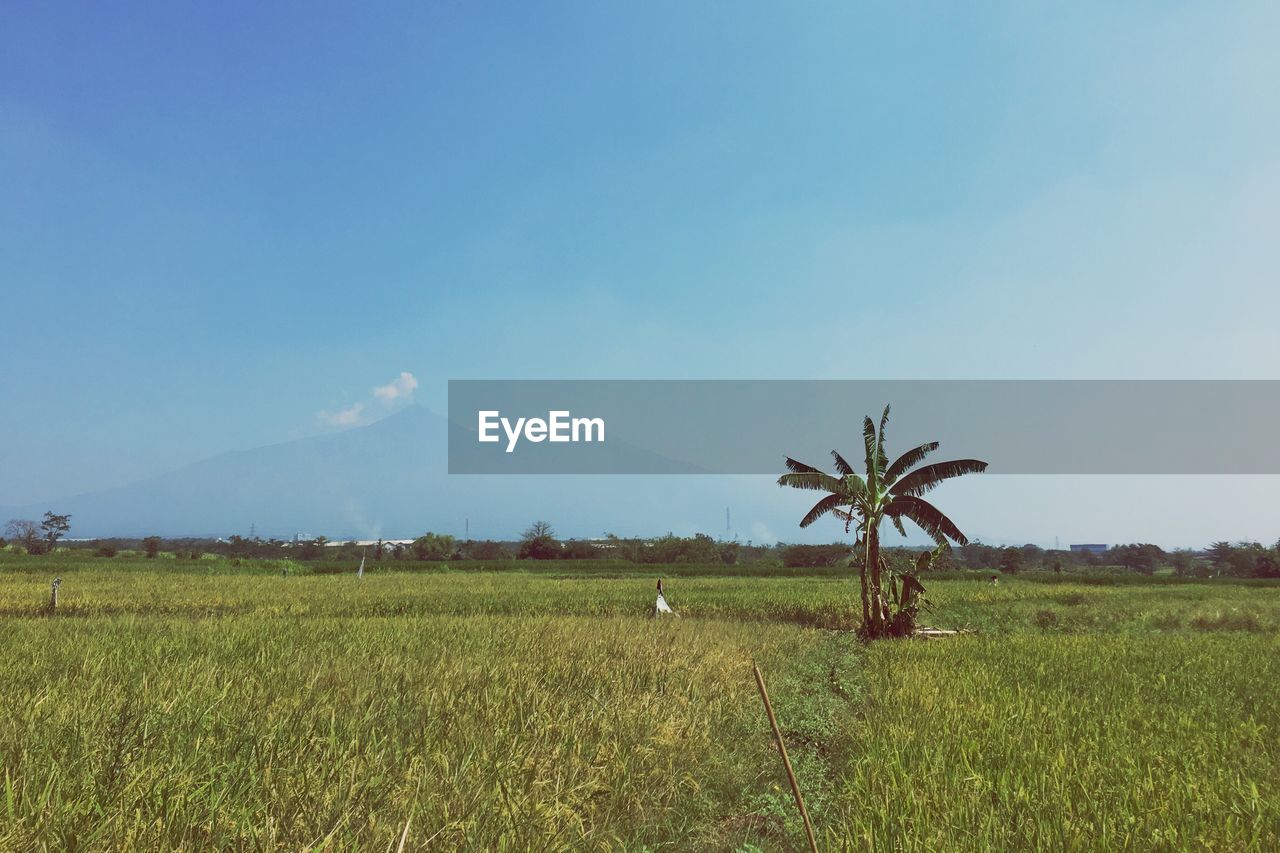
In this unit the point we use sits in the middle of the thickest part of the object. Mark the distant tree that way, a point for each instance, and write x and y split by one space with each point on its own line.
25 532
580 549
943 561
1183 562
1237 560
1011 560
699 548
1141 558
1265 566
539 543
433 546
728 553
539 530
976 555
106 549
54 527
486 550
152 546
313 549
1220 554
810 556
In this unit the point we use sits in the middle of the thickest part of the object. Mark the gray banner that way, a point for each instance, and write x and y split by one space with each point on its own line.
748 426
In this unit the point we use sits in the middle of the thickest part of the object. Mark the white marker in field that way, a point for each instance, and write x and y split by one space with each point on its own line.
360 571
661 607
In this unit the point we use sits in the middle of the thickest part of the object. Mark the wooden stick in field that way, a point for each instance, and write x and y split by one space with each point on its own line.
53 594
786 762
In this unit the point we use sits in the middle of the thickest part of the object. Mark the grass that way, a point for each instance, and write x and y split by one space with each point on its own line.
231 707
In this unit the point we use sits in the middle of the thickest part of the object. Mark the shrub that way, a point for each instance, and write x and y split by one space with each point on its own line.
433 546
1045 619
486 551
809 556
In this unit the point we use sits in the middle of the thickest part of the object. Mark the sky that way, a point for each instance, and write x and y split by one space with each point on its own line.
224 225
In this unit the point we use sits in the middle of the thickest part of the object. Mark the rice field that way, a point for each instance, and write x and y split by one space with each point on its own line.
244 709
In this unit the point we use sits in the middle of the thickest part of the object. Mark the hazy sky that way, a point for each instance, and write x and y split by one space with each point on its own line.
218 221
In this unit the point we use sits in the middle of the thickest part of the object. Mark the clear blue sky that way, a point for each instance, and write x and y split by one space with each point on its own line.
219 220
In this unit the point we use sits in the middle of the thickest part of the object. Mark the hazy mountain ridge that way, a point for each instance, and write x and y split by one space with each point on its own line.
388 478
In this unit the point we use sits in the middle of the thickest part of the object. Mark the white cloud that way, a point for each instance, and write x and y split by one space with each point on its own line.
349 416
402 386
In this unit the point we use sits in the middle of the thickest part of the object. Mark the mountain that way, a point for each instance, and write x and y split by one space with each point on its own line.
387 479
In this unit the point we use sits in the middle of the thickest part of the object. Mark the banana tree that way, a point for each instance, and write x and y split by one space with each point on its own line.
864 501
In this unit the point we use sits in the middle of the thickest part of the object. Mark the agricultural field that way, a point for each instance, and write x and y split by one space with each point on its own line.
200 704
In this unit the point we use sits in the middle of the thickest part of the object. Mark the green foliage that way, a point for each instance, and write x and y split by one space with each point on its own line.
539 543
485 551
816 555
53 527
1244 560
864 502
1143 558
579 549
433 546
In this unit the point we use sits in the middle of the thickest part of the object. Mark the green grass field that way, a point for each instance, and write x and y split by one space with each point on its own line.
194 706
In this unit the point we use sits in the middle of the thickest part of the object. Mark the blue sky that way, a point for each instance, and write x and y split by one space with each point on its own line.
218 221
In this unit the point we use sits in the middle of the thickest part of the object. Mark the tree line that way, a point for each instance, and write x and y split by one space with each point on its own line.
540 542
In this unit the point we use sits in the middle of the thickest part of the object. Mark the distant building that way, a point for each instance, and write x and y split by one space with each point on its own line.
1091 548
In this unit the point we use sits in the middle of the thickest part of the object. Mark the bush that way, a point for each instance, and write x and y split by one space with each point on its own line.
485 551
1045 619
580 549
540 548
539 543
107 550
434 546
810 556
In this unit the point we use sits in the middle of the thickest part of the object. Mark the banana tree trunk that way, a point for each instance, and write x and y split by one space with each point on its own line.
862 586
874 626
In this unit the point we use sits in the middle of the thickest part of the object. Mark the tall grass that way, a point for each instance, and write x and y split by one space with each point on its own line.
162 709
1066 743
